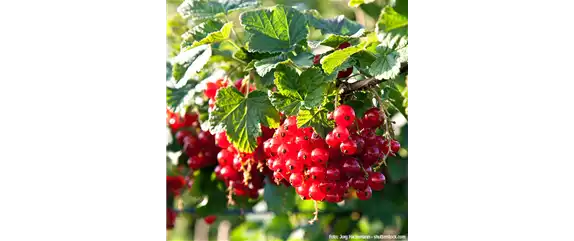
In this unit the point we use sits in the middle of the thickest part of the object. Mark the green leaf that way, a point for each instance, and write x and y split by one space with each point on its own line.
391 20
279 198
338 57
386 64
371 9
334 40
316 119
302 59
177 98
267 65
398 43
168 69
279 227
207 33
402 7
191 61
208 9
295 92
339 25
356 3
276 29
241 115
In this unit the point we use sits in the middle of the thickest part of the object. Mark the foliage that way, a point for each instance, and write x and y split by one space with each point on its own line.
273 48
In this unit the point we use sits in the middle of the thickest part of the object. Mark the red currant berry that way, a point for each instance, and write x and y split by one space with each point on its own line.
180 135
365 194
294 166
290 125
296 179
345 73
221 140
224 157
205 138
395 146
341 133
317 173
344 45
317 59
373 118
358 183
371 155
333 197
368 135
304 157
344 115
359 141
377 181
331 140
190 120
229 173
278 176
315 192
210 219
332 173
303 189
348 147
319 155
211 90
351 167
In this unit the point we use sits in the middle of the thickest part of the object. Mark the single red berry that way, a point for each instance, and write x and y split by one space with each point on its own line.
293 165
351 167
296 179
303 141
331 140
211 90
317 173
180 135
224 157
345 73
205 138
377 180
304 156
372 118
333 197
359 141
221 140
175 184
210 219
196 162
348 147
332 173
229 173
344 115
358 183
317 59
190 120
319 155
315 192
290 125
341 133
303 189
365 194
395 146
371 155
344 45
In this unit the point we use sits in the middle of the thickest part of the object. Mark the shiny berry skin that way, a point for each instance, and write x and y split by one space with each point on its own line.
205 138
303 141
359 141
317 59
296 179
371 155
319 155
341 133
304 156
317 173
175 184
278 176
180 135
303 189
351 167
377 181
196 162
227 172
348 147
331 140
315 192
290 125
333 197
372 118
365 194
294 166
344 115
343 186
224 157
332 173
395 146
317 141
221 140
368 135
210 219
358 183
344 45
345 73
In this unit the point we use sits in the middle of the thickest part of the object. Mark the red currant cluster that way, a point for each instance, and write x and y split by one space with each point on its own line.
243 173
324 170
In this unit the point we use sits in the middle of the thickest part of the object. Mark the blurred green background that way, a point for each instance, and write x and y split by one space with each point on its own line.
280 214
